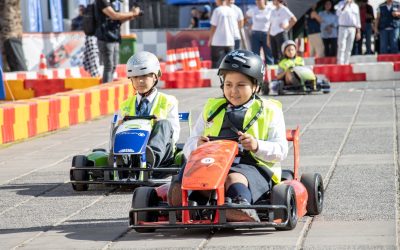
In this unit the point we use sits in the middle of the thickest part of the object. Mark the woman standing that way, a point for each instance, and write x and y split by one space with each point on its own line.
282 20
329 26
261 20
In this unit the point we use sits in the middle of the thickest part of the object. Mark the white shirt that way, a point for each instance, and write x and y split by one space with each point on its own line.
172 117
275 149
279 16
239 17
261 19
223 18
350 16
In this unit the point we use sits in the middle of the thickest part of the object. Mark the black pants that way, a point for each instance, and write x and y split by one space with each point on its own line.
330 46
276 43
218 53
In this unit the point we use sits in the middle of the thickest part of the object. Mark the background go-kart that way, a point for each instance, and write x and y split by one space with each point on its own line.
349 136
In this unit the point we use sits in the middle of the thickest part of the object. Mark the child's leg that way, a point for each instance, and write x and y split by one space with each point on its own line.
236 185
161 142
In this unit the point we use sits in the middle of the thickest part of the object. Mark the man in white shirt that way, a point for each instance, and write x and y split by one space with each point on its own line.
260 16
222 39
348 13
240 22
282 20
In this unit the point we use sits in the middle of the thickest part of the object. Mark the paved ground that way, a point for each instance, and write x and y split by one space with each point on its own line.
349 136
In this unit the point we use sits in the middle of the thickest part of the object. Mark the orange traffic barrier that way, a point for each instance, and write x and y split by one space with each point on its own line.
171 60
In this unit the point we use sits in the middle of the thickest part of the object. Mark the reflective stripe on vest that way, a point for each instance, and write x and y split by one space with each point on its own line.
258 130
287 63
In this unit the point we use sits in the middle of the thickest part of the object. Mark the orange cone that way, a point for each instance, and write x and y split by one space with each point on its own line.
171 60
42 67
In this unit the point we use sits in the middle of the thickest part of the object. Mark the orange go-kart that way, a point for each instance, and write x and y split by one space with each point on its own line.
206 170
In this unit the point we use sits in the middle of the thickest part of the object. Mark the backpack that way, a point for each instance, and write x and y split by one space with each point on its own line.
89 20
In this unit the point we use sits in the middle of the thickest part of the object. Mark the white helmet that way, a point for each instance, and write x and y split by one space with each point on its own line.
143 63
286 44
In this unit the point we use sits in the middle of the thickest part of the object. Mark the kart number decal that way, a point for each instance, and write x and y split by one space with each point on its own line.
207 160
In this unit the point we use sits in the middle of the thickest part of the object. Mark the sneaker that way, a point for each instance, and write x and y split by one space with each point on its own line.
241 215
150 157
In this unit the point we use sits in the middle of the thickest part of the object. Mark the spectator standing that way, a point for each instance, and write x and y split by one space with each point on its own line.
204 21
387 26
261 20
108 33
349 28
282 20
329 29
313 28
240 22
222 31
367 19
77 22
194 20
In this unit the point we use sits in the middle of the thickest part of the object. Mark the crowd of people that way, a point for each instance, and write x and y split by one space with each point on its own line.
348 28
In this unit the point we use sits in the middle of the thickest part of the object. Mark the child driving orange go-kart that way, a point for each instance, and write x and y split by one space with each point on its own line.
257 124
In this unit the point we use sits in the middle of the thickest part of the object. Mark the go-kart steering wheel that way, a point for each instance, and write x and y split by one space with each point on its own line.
146 117
230 138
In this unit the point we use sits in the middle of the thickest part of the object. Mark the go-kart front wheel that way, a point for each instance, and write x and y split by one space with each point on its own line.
79 161
283 194
315 189
144 197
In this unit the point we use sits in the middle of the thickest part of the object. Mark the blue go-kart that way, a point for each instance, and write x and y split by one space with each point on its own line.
125 163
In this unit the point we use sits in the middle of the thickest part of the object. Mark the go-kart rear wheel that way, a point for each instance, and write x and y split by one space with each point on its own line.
315 189
283 194
144 197
79 175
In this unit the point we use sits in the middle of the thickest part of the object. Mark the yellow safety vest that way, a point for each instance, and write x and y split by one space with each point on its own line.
161 105
287 63
258 130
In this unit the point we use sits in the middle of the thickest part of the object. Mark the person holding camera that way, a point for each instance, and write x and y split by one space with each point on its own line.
108 32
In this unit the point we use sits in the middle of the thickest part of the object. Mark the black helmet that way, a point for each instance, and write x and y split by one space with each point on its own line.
245 62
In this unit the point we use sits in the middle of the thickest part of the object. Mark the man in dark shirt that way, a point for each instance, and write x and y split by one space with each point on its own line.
108 33
367 19
77 21
387 26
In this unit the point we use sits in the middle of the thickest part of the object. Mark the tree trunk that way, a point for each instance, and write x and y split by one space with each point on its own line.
10 23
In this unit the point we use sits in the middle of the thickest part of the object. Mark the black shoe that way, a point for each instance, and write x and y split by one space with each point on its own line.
241 215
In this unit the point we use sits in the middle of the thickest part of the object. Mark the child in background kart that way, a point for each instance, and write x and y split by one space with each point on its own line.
143 69
258 125
288 62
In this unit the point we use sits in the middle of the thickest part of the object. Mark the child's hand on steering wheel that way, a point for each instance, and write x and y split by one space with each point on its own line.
202 140
248 142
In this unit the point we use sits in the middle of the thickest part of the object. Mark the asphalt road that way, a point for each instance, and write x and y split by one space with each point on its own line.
350 136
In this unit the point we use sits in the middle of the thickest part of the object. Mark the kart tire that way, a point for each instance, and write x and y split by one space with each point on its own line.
144 197
315 189
79 175
283 194
287 175
99 150
265 88
280 88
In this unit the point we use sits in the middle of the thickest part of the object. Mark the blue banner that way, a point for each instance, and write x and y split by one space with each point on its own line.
2 89
56 16
35 16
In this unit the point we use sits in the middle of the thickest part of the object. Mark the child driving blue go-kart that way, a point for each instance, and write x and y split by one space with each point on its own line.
143 69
